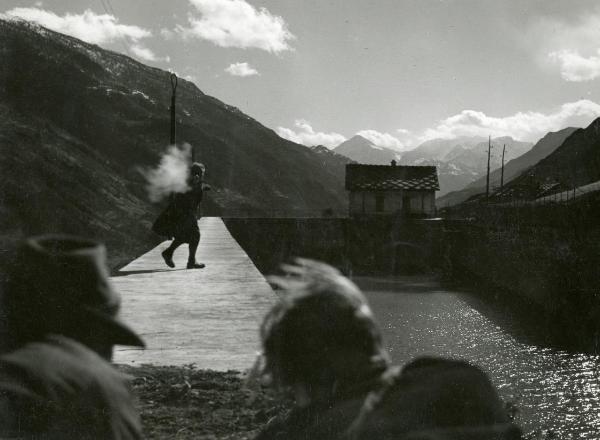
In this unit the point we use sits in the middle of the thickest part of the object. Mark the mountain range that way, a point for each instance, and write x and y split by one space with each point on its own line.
331 157
441 149
462 161
362 150
78 122
544 147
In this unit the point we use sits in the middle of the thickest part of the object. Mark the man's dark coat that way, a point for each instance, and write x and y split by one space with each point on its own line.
179 219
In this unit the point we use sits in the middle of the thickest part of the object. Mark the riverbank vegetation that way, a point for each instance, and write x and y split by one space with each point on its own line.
188 403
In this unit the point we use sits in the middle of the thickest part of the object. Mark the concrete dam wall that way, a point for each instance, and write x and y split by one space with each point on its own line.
546 259
354 245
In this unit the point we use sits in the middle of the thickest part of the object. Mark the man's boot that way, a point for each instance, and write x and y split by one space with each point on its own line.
168 257
194 265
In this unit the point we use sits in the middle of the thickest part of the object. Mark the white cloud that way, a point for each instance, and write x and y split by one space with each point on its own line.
527 126
236 23
91 27
241 69
167 34
88 26
385 139
191 78
574 67
145 54
305 134
573 46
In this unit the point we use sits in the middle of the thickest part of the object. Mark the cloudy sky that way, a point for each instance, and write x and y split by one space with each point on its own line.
396 71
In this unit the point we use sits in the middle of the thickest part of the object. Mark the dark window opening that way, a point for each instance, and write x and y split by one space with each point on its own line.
379 202
406 204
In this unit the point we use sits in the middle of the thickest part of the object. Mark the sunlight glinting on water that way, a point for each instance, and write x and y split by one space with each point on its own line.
552 389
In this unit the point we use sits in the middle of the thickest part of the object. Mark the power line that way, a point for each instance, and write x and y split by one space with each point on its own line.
110 11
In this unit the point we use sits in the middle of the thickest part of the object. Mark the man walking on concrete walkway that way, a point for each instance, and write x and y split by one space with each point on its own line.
179 221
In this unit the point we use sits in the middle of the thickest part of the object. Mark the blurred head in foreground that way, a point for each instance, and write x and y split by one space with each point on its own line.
321 336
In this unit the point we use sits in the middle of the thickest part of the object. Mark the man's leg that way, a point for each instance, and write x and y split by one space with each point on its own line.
193 245
167 254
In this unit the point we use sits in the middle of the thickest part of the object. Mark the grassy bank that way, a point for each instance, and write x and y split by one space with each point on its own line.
188 403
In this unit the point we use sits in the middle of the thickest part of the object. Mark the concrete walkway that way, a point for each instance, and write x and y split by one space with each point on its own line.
208 316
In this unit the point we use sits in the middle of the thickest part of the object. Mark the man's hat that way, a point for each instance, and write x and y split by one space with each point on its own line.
196 167
60 284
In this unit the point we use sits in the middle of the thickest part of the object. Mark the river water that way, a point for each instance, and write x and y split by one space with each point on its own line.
556 393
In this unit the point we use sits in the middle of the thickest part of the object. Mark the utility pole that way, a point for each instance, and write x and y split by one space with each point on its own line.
487 179
173 96
502 172
173 139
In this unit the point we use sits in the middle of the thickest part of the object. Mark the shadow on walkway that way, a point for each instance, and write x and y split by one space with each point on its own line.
124 273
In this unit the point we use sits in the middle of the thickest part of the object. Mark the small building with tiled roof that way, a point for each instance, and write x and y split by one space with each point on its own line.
391 189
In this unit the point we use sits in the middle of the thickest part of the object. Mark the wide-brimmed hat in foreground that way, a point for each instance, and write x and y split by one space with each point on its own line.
60 284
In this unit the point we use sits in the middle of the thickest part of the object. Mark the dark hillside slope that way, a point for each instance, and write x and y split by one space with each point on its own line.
120 107
78 122
575 163
52 182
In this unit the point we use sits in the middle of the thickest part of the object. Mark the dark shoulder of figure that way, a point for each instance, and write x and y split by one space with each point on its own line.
427 369
442 399
276 429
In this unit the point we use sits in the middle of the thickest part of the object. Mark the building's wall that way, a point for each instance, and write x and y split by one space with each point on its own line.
357 203
364 202
353 202
393 201
430 203
369 201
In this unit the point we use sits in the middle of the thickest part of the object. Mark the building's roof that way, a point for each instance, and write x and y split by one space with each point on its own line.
391 177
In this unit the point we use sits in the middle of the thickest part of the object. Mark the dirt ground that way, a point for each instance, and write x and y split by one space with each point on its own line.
188 403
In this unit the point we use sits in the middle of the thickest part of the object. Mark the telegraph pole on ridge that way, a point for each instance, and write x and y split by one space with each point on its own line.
487 180
502 173
173 139
173 96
